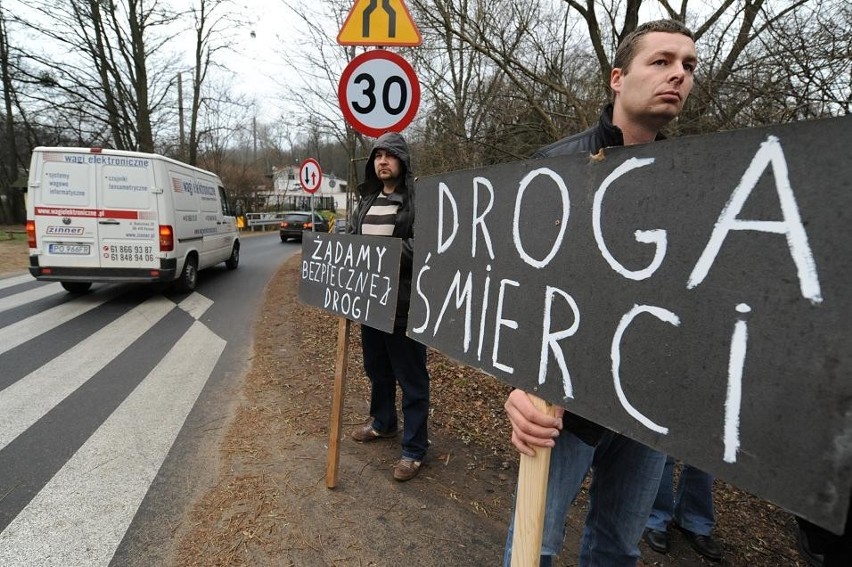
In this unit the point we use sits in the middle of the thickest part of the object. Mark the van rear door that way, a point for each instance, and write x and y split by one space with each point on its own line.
65 210
128 218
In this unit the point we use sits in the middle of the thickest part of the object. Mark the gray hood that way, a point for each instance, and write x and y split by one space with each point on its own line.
395 144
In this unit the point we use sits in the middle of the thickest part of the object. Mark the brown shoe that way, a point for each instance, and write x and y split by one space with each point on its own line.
406 469
365 433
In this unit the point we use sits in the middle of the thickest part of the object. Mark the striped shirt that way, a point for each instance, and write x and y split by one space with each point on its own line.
380 219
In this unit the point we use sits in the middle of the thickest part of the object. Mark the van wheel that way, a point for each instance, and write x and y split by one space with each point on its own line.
234 261
76 287
189 276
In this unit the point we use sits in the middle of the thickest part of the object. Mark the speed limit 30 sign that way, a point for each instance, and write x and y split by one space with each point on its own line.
379 92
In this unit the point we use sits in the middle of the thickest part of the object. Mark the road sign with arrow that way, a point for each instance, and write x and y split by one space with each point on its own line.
310 175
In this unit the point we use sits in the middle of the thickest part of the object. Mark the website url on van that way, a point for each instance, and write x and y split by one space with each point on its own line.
51 211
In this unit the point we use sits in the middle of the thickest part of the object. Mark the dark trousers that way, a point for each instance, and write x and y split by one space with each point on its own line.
390 359
835 549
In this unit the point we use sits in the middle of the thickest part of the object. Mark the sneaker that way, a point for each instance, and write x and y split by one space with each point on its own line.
406 469
366 433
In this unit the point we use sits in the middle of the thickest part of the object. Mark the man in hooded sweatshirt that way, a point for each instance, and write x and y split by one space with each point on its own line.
386 208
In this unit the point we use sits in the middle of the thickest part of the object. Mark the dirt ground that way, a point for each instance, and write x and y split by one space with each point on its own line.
13 249
271 507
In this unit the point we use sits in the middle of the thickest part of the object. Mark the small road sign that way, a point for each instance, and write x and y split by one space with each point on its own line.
371 24
379 92
310 175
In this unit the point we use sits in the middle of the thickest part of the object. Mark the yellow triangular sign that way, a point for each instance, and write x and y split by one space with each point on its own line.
379 22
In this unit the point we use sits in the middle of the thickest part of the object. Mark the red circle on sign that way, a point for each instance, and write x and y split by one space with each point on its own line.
310 175
374 118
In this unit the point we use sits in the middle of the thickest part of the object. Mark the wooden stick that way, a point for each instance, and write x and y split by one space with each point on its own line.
530 500
336 418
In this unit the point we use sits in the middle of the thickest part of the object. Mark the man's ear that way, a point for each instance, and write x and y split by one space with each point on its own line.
615 78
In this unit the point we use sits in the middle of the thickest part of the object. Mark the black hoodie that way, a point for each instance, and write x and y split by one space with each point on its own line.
369 190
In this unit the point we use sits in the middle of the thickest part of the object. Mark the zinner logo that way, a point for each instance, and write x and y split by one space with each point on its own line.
64 230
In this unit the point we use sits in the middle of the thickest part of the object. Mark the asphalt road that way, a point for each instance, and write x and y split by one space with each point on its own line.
112 405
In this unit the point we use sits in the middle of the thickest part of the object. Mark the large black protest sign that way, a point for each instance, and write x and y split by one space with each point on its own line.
352 276
694 294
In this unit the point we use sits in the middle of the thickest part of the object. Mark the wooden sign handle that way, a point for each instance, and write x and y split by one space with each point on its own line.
530 500
336 418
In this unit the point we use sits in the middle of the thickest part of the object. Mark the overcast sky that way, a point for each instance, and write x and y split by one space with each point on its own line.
257 62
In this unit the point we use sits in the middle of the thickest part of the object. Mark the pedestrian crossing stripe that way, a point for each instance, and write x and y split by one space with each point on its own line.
379 23
89 504
25 401
80 511
34 294
27 329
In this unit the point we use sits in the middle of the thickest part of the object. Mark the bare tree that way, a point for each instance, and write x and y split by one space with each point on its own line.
112 74
457 85
801 68
10 159
729 44
221 126
502 76
9 165
214 22
319 63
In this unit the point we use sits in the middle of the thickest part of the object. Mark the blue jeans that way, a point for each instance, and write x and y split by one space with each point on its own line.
625 478
390 359
691 508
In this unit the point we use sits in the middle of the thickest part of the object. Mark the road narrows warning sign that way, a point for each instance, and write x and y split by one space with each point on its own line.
379 23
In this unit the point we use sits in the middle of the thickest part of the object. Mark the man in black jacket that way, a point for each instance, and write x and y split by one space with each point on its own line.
386 208
651 77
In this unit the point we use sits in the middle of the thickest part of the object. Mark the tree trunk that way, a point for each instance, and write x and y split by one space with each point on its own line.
10 170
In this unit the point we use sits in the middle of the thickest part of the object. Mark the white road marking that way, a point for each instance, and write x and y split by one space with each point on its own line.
27 296
82 514
24 402
196 305
15 280
31 327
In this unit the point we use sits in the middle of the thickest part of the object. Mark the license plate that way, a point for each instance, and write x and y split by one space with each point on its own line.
70 249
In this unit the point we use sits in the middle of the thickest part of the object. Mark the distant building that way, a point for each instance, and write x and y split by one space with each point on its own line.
286 187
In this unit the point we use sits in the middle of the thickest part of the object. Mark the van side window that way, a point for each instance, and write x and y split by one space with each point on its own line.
226 206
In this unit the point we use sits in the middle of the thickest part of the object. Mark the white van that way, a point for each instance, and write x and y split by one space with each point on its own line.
97 215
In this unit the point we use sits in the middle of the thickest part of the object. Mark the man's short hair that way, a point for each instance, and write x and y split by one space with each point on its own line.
627 48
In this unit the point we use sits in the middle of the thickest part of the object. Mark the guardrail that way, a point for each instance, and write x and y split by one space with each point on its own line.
263 219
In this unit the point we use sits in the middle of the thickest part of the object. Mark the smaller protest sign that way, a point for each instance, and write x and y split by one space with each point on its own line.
351 276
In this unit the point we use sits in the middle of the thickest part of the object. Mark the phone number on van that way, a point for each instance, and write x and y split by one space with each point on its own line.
128 253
